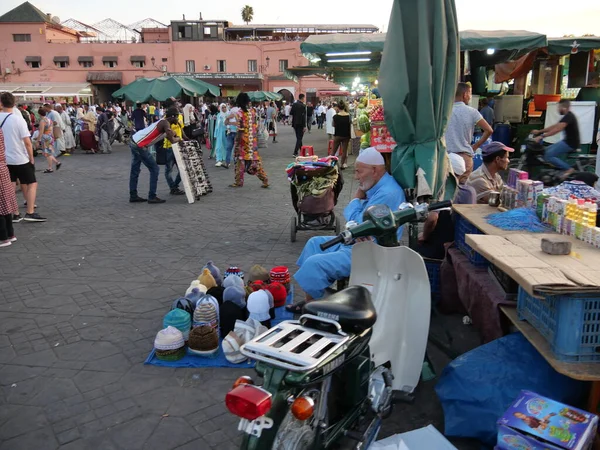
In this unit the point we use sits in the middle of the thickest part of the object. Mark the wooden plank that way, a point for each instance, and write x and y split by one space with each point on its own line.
577 371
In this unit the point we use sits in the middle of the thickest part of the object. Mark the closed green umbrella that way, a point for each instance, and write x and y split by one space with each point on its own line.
162 88
418 76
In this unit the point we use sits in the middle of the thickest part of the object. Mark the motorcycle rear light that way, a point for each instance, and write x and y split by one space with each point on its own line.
248 401
243 380
303 408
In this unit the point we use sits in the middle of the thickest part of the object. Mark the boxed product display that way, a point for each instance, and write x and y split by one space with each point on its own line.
527 193
514 175
534 422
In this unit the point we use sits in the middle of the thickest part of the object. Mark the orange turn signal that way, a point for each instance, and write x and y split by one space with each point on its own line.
242 380
303 408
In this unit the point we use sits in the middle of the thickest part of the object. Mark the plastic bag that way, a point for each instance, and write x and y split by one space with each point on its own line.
476 388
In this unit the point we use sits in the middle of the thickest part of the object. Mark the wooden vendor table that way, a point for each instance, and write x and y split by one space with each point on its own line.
476 214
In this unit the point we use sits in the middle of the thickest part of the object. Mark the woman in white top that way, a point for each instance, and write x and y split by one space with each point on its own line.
329 121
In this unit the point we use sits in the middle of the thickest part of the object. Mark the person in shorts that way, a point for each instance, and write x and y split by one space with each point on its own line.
19 155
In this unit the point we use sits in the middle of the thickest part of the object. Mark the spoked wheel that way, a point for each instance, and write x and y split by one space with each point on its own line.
293 229
294 434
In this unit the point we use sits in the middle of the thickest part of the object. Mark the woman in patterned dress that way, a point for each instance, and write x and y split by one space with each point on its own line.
8 200
247 158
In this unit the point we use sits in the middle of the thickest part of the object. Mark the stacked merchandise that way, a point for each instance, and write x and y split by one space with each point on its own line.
194 176
381 138
222 312
571 208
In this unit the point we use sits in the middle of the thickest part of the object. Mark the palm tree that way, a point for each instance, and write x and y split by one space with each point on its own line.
247 14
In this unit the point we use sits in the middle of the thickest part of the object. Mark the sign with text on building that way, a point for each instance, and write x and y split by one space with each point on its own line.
219 75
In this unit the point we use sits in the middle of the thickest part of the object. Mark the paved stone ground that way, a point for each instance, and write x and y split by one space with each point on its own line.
83 295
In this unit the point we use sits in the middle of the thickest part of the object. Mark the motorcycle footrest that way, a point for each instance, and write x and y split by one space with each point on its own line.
355 435
402 397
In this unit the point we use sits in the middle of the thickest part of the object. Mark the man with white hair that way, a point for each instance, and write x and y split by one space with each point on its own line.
319 269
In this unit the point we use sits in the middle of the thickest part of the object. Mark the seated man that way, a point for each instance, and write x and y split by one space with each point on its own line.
486 178
319 269
87 139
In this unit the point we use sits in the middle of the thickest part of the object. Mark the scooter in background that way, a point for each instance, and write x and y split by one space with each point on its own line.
532 160
335 373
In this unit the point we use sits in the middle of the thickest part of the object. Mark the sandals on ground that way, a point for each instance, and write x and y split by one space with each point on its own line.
48 171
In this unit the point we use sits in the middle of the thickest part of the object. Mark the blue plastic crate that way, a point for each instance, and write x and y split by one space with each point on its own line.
571 324
462 227
433 267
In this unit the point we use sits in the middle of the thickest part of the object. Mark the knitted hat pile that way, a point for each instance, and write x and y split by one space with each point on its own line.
279 293
214 271
258 272
169 344
196 284
207 279
234 270
233 281
217 293
235 294
180 319
258 306
203 341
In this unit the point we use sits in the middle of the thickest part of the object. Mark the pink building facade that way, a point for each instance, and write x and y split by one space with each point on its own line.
36 51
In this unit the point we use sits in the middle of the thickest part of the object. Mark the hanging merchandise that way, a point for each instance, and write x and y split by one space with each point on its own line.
191 168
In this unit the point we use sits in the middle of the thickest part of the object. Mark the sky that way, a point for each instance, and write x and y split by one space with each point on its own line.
552 17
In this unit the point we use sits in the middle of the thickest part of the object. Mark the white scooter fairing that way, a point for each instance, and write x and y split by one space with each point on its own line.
399 285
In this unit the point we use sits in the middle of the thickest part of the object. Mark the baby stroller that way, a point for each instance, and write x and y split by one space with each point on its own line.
315 192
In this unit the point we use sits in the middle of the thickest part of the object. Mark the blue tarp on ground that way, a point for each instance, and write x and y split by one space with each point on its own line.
478 387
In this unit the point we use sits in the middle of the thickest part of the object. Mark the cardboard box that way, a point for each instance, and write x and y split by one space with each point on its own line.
538 423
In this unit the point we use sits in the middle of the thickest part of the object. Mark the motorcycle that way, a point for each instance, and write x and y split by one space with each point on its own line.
532 160
335 373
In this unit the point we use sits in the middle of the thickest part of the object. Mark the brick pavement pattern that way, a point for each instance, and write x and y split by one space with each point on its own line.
83 295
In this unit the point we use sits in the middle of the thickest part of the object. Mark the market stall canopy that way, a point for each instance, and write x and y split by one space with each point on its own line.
48 90
162 88
419 72
501 40
261 96
568 45
340 75
343 43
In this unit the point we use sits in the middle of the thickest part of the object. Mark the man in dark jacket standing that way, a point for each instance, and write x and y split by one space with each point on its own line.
298 114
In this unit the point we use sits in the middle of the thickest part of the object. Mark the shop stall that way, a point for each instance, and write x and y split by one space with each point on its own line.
40 93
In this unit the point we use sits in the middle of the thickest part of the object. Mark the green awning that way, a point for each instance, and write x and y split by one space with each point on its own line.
525 41
419 72
565 46
342 43
261 96
337 74
160 89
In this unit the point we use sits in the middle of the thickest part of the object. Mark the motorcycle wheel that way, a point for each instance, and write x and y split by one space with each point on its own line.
294 434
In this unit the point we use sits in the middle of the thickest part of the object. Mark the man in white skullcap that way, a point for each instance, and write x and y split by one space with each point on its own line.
319 269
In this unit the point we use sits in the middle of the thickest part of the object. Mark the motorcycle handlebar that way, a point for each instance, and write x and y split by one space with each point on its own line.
440 205
336 240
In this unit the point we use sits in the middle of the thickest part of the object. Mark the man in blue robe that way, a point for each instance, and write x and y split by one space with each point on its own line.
319 269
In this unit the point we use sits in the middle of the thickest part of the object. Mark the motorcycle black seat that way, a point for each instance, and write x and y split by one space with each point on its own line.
352 308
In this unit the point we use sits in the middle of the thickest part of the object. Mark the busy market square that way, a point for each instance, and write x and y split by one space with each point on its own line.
296 236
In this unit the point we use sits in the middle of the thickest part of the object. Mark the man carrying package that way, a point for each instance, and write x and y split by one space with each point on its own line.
319 269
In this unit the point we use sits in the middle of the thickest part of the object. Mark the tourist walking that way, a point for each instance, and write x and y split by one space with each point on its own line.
8 200
44 140
67 130
271 121
57 129
342 133
232 127
104 129
247 158
19 156
330 130
221 135
298 114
